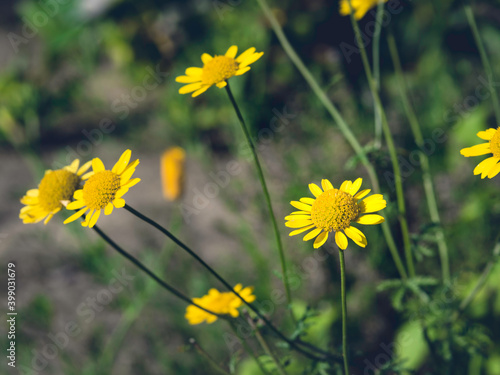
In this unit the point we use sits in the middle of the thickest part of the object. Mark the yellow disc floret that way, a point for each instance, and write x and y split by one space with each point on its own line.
100 189
495 144
334 210
219 69
57 186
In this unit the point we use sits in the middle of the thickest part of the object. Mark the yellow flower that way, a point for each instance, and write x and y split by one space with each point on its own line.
488 167
55 188
335 210
217 70
220 303
103 190
172 172
360 7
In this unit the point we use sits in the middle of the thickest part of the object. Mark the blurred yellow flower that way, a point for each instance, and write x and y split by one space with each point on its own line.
488 167
103 190
334 210
220 303
55 188
172 172
360 7
217 70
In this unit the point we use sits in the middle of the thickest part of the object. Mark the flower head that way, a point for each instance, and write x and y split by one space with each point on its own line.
103 190
55 188
488 167
360 7
220 303
172 172
217 70
334 210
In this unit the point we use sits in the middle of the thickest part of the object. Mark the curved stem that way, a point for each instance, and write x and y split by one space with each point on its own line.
398 182
268 199
207 356
179 243
150 273
344 312
424 160
376 69
339 120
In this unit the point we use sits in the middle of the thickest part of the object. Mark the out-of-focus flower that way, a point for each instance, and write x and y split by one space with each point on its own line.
172 172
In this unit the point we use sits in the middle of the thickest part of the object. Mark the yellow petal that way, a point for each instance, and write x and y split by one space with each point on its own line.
84 168
108 209
355 186
482 149
245 55
242 71
298 217
251 59
75 205
494 171
232 51
73 167
326 185
309 201
487 134
75 216
362 193
346 186
119 203
485 165
301 230
131 183
206 58
200 91
298 223
312 234
341 240
370 219
221 84
97 165
187 79
316 190
94 218
125 176
194 72
190 88
32 193
320 240
300 213
78 195
301 206
122 162
356 235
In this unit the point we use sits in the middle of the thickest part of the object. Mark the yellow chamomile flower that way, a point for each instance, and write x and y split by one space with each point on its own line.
56 187
172 172
335 210
217 70
103 190
488 167
220 303
360 7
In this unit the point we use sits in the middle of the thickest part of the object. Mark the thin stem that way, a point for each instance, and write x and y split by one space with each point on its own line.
376 69
339 120
398 182
484 59
424 160
268 199
179 243
344 312
150 273
207 356
263 343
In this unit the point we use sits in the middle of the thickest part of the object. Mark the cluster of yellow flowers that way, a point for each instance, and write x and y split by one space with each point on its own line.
102 190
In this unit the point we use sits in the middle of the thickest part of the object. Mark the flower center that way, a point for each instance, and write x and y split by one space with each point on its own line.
334 210
100 189
219 69
495 144
57 186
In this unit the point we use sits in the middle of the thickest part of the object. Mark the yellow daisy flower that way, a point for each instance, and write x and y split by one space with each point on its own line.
220 303
334 210
55 187
360 7
103 190
488 167
217 70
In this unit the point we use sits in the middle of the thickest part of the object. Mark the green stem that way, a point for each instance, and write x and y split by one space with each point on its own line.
376 69
344 312
484 59
150 273
268 199
179 243
207 356
424 160
338 119
398 182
